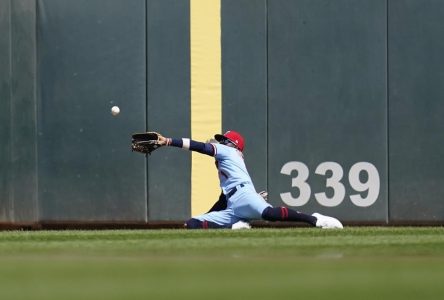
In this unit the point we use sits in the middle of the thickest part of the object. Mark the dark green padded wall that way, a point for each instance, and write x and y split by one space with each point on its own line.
416 109
92 55
304 81
168 109
244 80
5 115
327 100
23 111
18 121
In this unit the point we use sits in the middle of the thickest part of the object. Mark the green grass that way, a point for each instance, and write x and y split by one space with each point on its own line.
298 263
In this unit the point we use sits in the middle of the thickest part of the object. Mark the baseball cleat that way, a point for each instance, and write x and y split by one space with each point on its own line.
327 222
240 225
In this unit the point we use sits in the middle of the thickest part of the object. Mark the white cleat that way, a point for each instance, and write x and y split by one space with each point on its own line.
327 222
240 225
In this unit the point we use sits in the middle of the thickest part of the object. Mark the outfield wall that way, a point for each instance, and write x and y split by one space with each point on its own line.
340 103
18 116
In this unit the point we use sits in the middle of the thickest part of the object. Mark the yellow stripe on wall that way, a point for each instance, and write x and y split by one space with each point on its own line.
206 106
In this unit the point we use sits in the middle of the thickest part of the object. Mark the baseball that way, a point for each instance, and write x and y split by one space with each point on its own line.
115 110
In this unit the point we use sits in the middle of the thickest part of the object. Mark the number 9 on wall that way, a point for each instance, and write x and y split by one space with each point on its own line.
371 185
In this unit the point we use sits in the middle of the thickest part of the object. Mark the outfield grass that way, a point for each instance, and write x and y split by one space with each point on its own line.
298 263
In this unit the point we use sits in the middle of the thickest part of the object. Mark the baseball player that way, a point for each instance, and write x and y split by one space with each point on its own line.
243 203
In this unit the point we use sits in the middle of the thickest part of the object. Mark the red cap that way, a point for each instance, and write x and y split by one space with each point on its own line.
234 137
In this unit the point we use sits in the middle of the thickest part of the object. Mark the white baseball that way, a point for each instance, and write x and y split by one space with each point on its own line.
115 110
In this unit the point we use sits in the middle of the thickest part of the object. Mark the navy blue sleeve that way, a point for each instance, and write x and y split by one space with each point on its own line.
204 148
175 143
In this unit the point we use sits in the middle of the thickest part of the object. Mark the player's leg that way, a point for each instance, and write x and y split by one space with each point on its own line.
287 214
214 219
249 205
198 224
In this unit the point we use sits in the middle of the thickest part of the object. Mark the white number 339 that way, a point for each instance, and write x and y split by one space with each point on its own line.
372 184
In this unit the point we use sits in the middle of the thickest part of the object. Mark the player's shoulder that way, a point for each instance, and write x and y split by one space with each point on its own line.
220 148
224 149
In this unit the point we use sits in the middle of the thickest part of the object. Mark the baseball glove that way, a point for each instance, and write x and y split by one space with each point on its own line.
146 142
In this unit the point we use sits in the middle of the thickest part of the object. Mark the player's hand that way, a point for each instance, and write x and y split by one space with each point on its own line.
147 142
162 140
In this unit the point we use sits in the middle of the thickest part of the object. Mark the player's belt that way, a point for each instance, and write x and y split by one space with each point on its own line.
234 190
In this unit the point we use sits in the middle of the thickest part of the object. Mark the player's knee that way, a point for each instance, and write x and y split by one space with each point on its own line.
193 224
271 214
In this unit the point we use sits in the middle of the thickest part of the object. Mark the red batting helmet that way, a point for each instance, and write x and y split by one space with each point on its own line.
232 136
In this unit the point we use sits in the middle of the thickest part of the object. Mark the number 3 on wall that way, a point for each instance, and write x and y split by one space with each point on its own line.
372 184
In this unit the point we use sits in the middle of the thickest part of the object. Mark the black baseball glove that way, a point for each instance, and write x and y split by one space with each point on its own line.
146 142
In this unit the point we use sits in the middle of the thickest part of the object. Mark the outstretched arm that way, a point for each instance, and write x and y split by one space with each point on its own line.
204 148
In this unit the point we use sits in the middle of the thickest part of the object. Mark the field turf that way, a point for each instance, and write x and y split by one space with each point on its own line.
295 263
